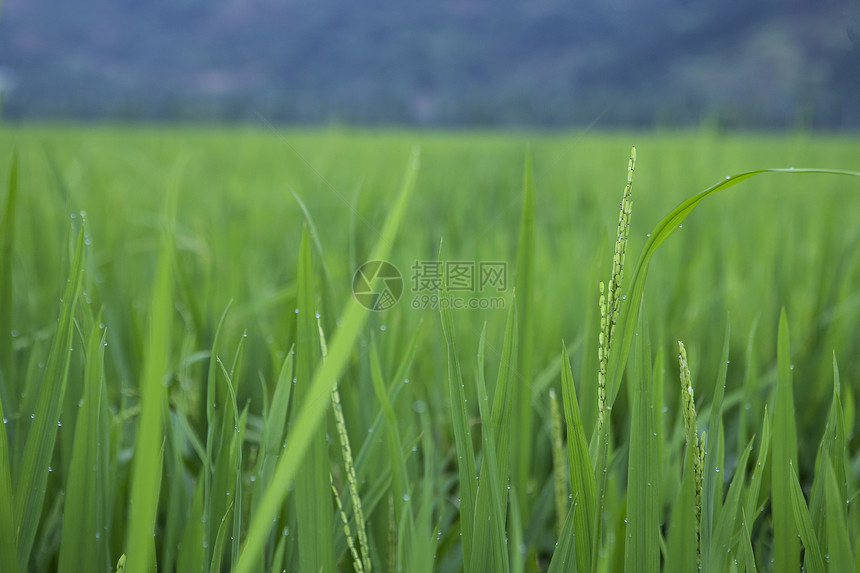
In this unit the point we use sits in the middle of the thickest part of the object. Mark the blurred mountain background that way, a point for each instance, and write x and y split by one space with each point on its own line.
541 63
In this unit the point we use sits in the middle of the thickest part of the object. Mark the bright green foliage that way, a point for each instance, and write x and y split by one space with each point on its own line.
642 541
314 507
786 548
197 389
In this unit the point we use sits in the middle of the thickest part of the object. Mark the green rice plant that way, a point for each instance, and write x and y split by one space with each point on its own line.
314 507
581 476
149 447
559 461
7 240
445 451
524 284
786 549
84 541
642 543
311 413
684 552
35 464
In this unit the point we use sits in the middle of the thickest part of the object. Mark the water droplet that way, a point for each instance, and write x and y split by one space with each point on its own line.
414 448
14 333
316 314
32 416
297 310
59 424
383 328
405 497
406 380
50 469
680 226
791 367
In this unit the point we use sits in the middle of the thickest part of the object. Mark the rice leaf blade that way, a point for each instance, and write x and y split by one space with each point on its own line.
30 489
314 509
786 549
642 545
312 410
581 470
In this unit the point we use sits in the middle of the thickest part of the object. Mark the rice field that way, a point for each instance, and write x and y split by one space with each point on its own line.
339 350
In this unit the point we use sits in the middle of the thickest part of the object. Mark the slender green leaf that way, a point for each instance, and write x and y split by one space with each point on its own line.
725 527
31 487
642 545
581 471
146 472
664 229
564 555
401 490
521 454
84 546
713 470
7 508
312 410
489 551
462 435
751 508
314 507
838 543
786 549
814 559
8 385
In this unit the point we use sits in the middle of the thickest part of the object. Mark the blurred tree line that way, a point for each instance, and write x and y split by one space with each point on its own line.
662 63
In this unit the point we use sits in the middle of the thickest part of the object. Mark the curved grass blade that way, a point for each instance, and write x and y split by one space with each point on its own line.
312 410
663 230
